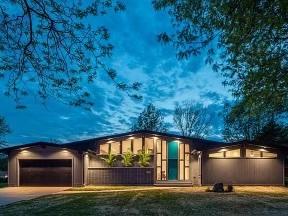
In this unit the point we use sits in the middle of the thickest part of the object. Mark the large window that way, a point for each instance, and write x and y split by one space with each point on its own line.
149 145
161 159
126 146
115 148
104 148
225 153
262 153
184 161
137 145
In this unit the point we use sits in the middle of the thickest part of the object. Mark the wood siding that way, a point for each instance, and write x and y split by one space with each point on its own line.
242 171
121 176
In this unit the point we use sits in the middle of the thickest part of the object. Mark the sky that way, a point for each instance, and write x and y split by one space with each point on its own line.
137 56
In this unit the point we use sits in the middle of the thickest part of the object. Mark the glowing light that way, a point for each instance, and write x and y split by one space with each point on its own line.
223 150
263 150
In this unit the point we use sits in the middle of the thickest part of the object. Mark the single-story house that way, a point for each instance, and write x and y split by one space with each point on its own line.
174 160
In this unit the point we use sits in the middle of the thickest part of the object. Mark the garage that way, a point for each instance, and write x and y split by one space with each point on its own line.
42 172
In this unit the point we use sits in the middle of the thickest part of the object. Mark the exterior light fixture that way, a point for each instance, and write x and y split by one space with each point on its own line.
223 150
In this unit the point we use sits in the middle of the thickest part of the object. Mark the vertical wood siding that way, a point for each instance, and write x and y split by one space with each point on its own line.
121 176
242 171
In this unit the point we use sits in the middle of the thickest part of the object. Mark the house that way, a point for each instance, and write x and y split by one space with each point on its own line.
175 160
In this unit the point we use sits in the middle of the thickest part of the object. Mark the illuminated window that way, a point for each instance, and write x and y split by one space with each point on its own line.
104 148
149 145
216 155
225 153
261 153
269 155
115 148
137 145
126 146
232 153
250 153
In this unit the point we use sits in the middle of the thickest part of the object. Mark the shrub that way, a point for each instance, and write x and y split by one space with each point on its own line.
110 159
127 159
144 158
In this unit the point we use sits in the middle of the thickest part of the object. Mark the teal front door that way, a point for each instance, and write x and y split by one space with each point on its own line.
173 160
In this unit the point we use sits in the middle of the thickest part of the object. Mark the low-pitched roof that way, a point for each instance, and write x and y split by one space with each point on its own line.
199 144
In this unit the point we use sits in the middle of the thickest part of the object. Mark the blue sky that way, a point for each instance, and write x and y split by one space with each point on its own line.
137 57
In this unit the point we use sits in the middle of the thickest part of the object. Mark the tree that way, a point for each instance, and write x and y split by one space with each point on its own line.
4 130
240 123
273 133
51 48
150 119
192 119
246 41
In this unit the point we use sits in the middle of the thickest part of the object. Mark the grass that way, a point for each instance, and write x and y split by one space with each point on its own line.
180 201
104 188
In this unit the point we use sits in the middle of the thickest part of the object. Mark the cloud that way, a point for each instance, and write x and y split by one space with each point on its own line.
139 57
64 117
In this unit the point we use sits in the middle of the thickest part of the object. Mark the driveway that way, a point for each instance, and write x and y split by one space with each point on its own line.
14 194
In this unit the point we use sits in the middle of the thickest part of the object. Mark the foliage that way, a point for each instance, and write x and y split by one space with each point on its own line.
110 159
3 163
51 48
127 159
192 119
150 119
241 123
246 41
4 130
273 133
144 158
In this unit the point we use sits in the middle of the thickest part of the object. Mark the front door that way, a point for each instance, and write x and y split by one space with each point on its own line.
173 160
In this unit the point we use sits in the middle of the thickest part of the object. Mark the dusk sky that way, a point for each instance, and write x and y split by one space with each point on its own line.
139 57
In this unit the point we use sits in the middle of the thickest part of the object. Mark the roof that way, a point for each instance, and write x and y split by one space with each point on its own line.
199 144
8 149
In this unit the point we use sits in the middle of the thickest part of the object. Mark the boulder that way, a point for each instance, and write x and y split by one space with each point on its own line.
218 187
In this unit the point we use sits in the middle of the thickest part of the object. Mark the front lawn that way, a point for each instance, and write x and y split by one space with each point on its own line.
180 201
104 188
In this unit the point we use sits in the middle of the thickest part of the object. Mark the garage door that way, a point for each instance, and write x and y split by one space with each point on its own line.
45 172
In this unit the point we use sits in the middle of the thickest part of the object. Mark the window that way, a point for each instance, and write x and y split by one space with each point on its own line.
137 145
232 153
104 148
115 148
149 145
126 146
226 153
216 155
261 153
269 155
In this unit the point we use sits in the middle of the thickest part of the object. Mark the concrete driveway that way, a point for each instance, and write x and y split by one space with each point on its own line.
14 194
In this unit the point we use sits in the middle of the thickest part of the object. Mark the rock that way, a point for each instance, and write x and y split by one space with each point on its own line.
230 188
218 187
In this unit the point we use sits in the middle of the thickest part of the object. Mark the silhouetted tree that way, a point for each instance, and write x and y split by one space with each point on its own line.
150 119
241 123
51 48
273 133
4 130
245 40
192 119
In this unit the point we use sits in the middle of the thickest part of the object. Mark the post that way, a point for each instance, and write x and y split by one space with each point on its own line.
85 167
